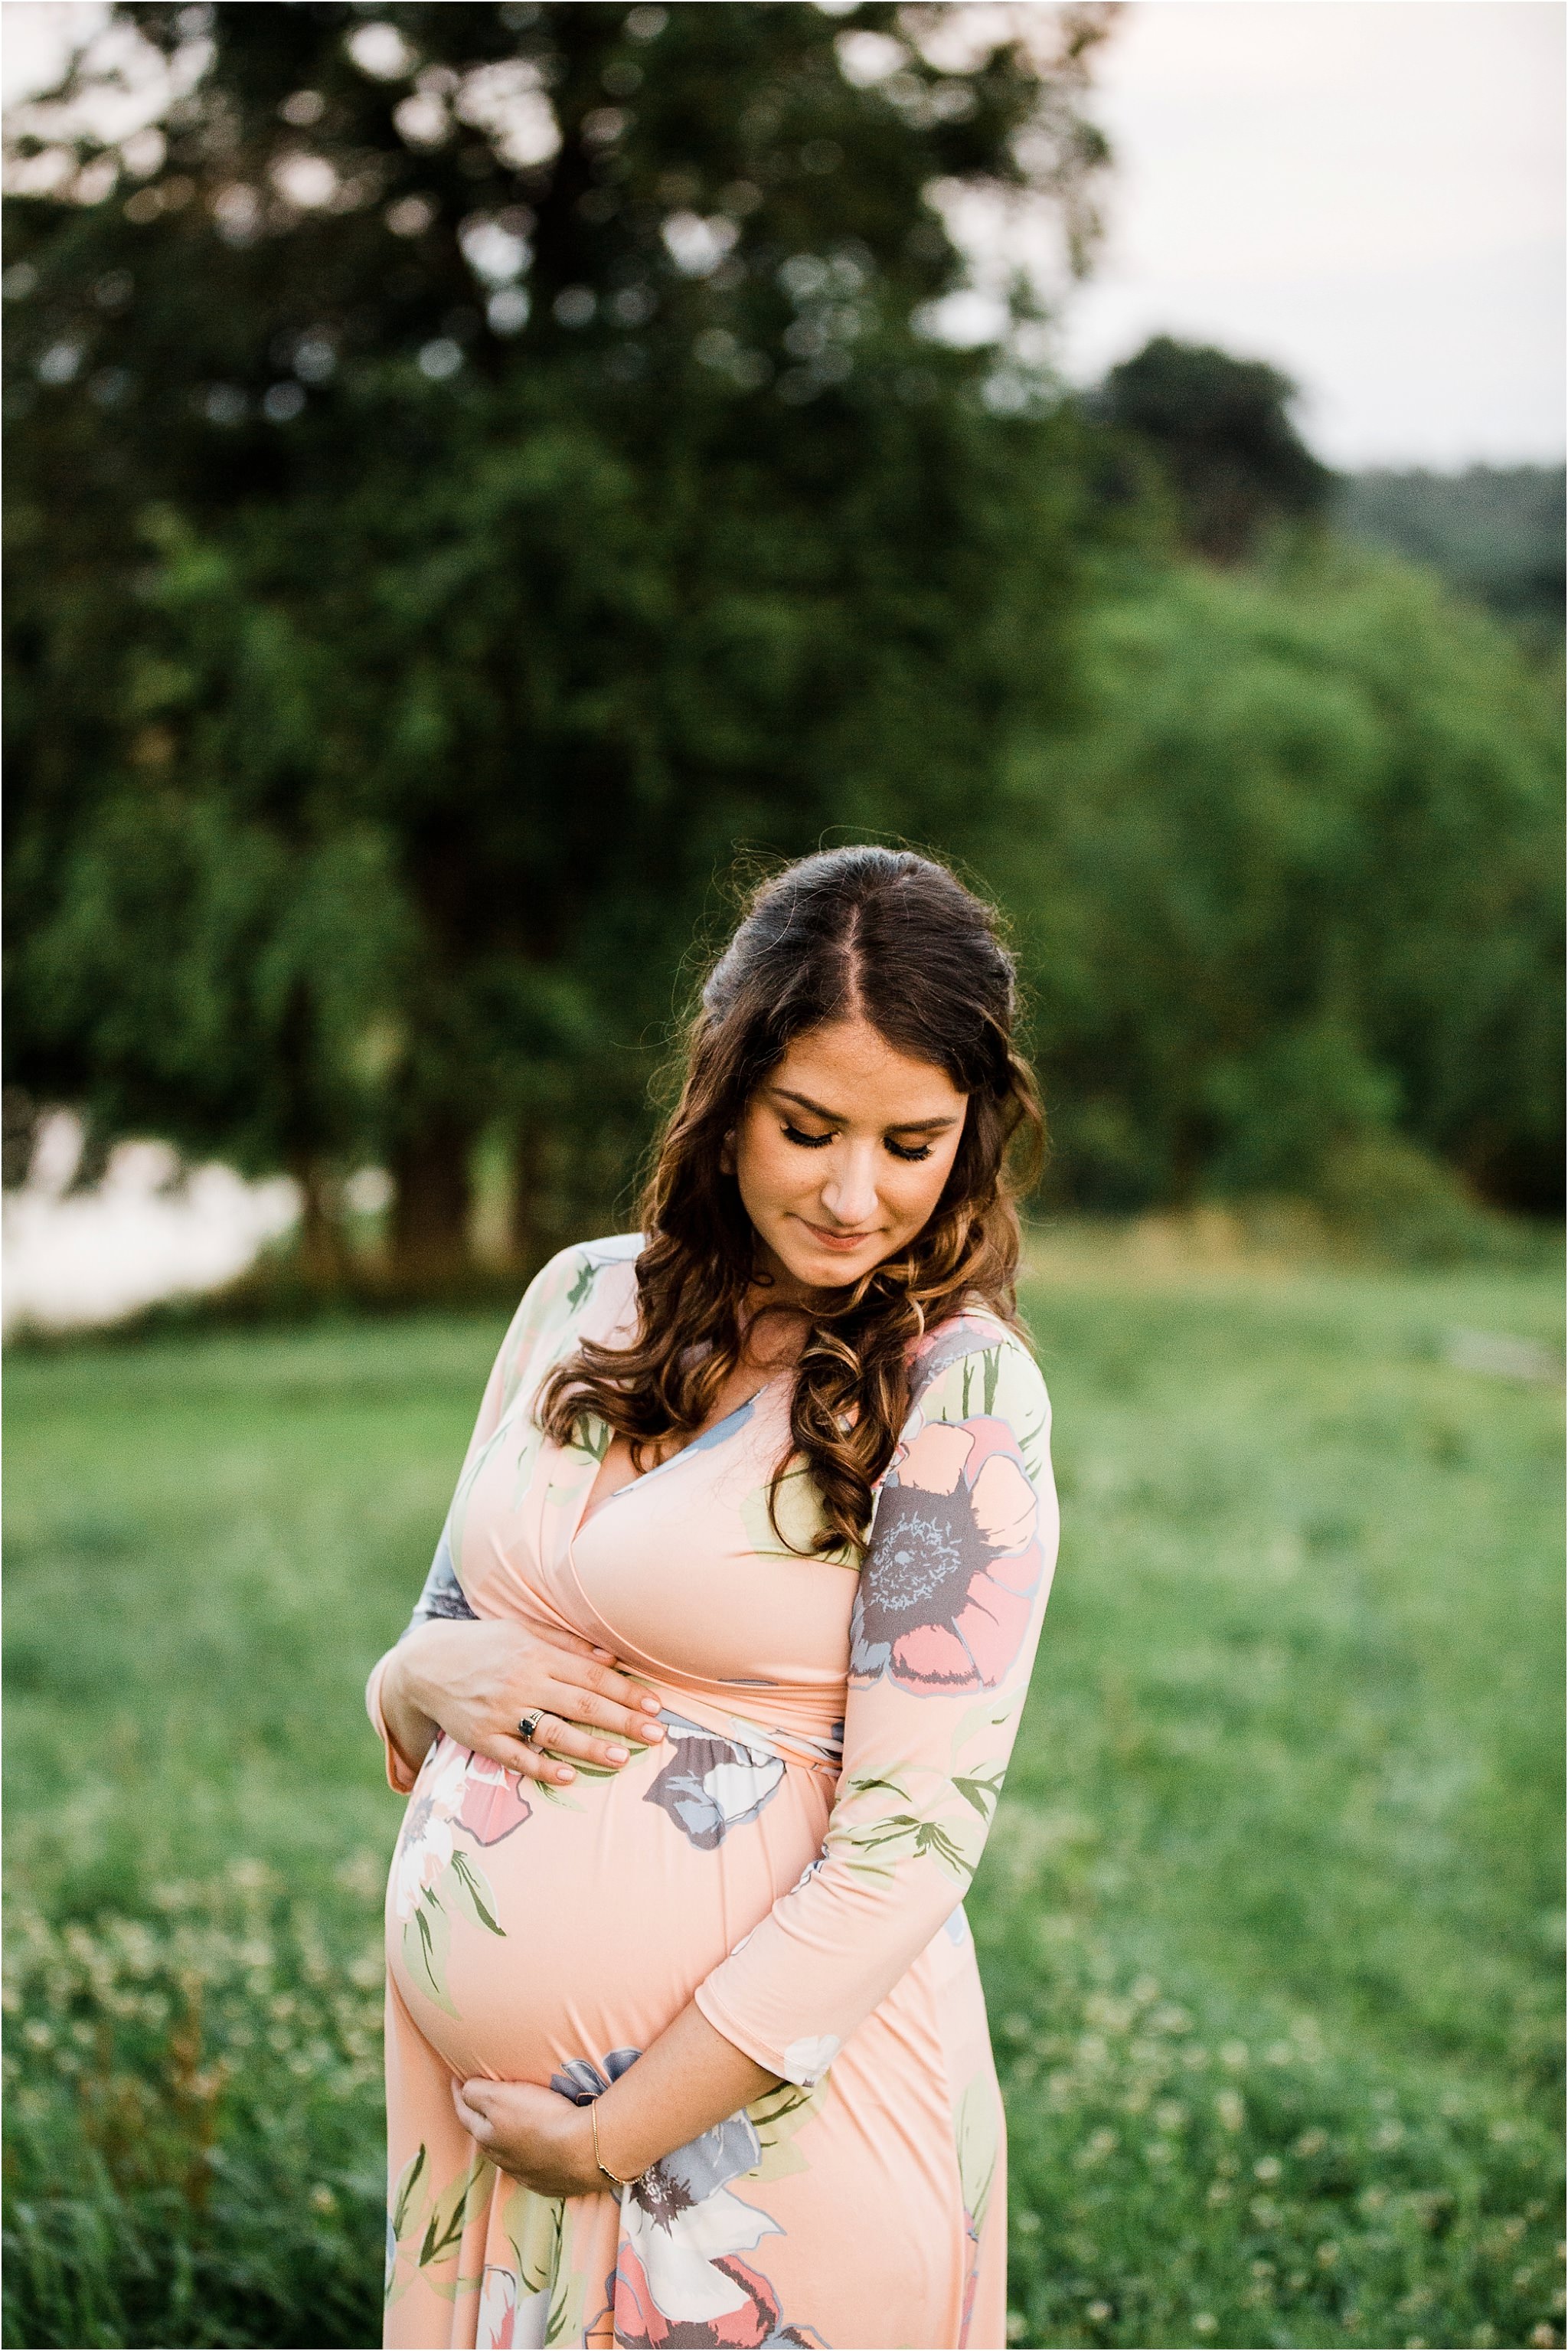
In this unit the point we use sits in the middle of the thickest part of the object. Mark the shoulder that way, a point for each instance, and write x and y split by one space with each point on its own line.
592 1280
578 1269
974 1330
580 1274
976 1365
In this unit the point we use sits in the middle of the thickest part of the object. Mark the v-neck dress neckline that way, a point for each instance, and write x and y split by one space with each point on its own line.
732 1423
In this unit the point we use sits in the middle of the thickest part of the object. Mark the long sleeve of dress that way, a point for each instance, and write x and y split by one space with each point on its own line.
542 1306
952 1594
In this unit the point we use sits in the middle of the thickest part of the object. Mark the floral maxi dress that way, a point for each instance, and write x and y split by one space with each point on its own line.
793 1855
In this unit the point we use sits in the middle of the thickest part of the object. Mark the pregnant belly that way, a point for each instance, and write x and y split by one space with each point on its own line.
525 1930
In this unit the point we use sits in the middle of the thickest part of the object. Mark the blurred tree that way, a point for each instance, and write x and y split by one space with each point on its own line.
472 465
1293 886
1218 430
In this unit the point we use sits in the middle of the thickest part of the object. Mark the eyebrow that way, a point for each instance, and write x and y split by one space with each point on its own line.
898 1126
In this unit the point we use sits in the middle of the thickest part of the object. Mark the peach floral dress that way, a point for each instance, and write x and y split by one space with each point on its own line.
793 1855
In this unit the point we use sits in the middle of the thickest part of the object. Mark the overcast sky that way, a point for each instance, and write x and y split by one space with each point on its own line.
1369 193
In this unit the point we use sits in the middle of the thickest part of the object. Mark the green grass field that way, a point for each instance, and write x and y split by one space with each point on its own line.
1271 1920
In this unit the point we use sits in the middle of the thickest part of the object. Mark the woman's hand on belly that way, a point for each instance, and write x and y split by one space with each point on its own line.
537 2136
475 1680
683 2083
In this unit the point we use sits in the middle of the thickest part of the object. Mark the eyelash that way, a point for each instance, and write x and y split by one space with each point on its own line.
816 1142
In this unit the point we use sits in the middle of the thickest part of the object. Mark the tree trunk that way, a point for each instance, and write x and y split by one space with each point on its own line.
429 1239
323 1258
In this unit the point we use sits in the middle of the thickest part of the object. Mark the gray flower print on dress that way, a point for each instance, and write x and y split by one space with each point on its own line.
711 1784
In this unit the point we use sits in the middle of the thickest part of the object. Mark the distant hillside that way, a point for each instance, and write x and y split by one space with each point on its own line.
1495 532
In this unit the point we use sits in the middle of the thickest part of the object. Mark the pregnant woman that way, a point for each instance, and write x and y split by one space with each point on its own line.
705 1709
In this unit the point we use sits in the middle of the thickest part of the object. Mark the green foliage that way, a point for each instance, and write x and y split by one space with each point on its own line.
1291 886
418 593
491 467
442 532
1277 1847
1494 532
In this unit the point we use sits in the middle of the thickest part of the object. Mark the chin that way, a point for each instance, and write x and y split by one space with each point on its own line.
827 1268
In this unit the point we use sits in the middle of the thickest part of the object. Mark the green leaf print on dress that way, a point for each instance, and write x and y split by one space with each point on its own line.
426 2228
426 1940
433 1879
978 2143
541 2299
979 2139
776 2116
515 2302
888 1832
884 1819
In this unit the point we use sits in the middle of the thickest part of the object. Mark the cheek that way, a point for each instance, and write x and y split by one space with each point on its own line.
767 1167
913 1192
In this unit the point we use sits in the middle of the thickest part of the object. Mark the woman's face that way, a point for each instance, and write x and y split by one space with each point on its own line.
842 1155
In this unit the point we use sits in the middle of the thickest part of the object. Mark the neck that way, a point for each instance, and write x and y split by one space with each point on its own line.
774 1284
775 1313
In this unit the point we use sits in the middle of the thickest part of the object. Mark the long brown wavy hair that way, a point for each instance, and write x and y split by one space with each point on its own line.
898 939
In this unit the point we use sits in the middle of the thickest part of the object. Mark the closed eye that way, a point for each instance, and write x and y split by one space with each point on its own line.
909 1150
808 1141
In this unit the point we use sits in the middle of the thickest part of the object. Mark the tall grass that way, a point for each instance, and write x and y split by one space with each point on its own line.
191 2143
1267 1921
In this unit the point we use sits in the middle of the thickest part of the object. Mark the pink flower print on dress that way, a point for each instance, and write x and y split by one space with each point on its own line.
753 2319
493 1801
752 2323
945 1595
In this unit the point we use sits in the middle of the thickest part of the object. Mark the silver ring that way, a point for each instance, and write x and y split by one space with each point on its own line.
529 1723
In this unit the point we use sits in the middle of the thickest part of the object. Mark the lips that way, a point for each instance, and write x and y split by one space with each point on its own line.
831 1240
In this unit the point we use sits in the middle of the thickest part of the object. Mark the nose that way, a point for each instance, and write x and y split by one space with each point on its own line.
849 1193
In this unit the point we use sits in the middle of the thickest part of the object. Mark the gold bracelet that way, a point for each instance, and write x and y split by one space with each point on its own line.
599 2159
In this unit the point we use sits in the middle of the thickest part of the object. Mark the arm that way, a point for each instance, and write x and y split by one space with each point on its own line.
946 1620
452 1672
953 1591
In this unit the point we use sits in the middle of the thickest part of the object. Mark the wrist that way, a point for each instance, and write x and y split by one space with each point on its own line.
404 1716
403 1671
585 2153
614 2168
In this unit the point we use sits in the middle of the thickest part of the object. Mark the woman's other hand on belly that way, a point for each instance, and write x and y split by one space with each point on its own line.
680 2085
537 2136
475 1680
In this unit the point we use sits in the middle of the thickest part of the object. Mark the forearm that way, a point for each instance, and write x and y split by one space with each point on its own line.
684 2083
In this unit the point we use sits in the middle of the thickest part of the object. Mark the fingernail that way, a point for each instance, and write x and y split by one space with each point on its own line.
651 1705
617 1754
565 1772
605 1653
655 1730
